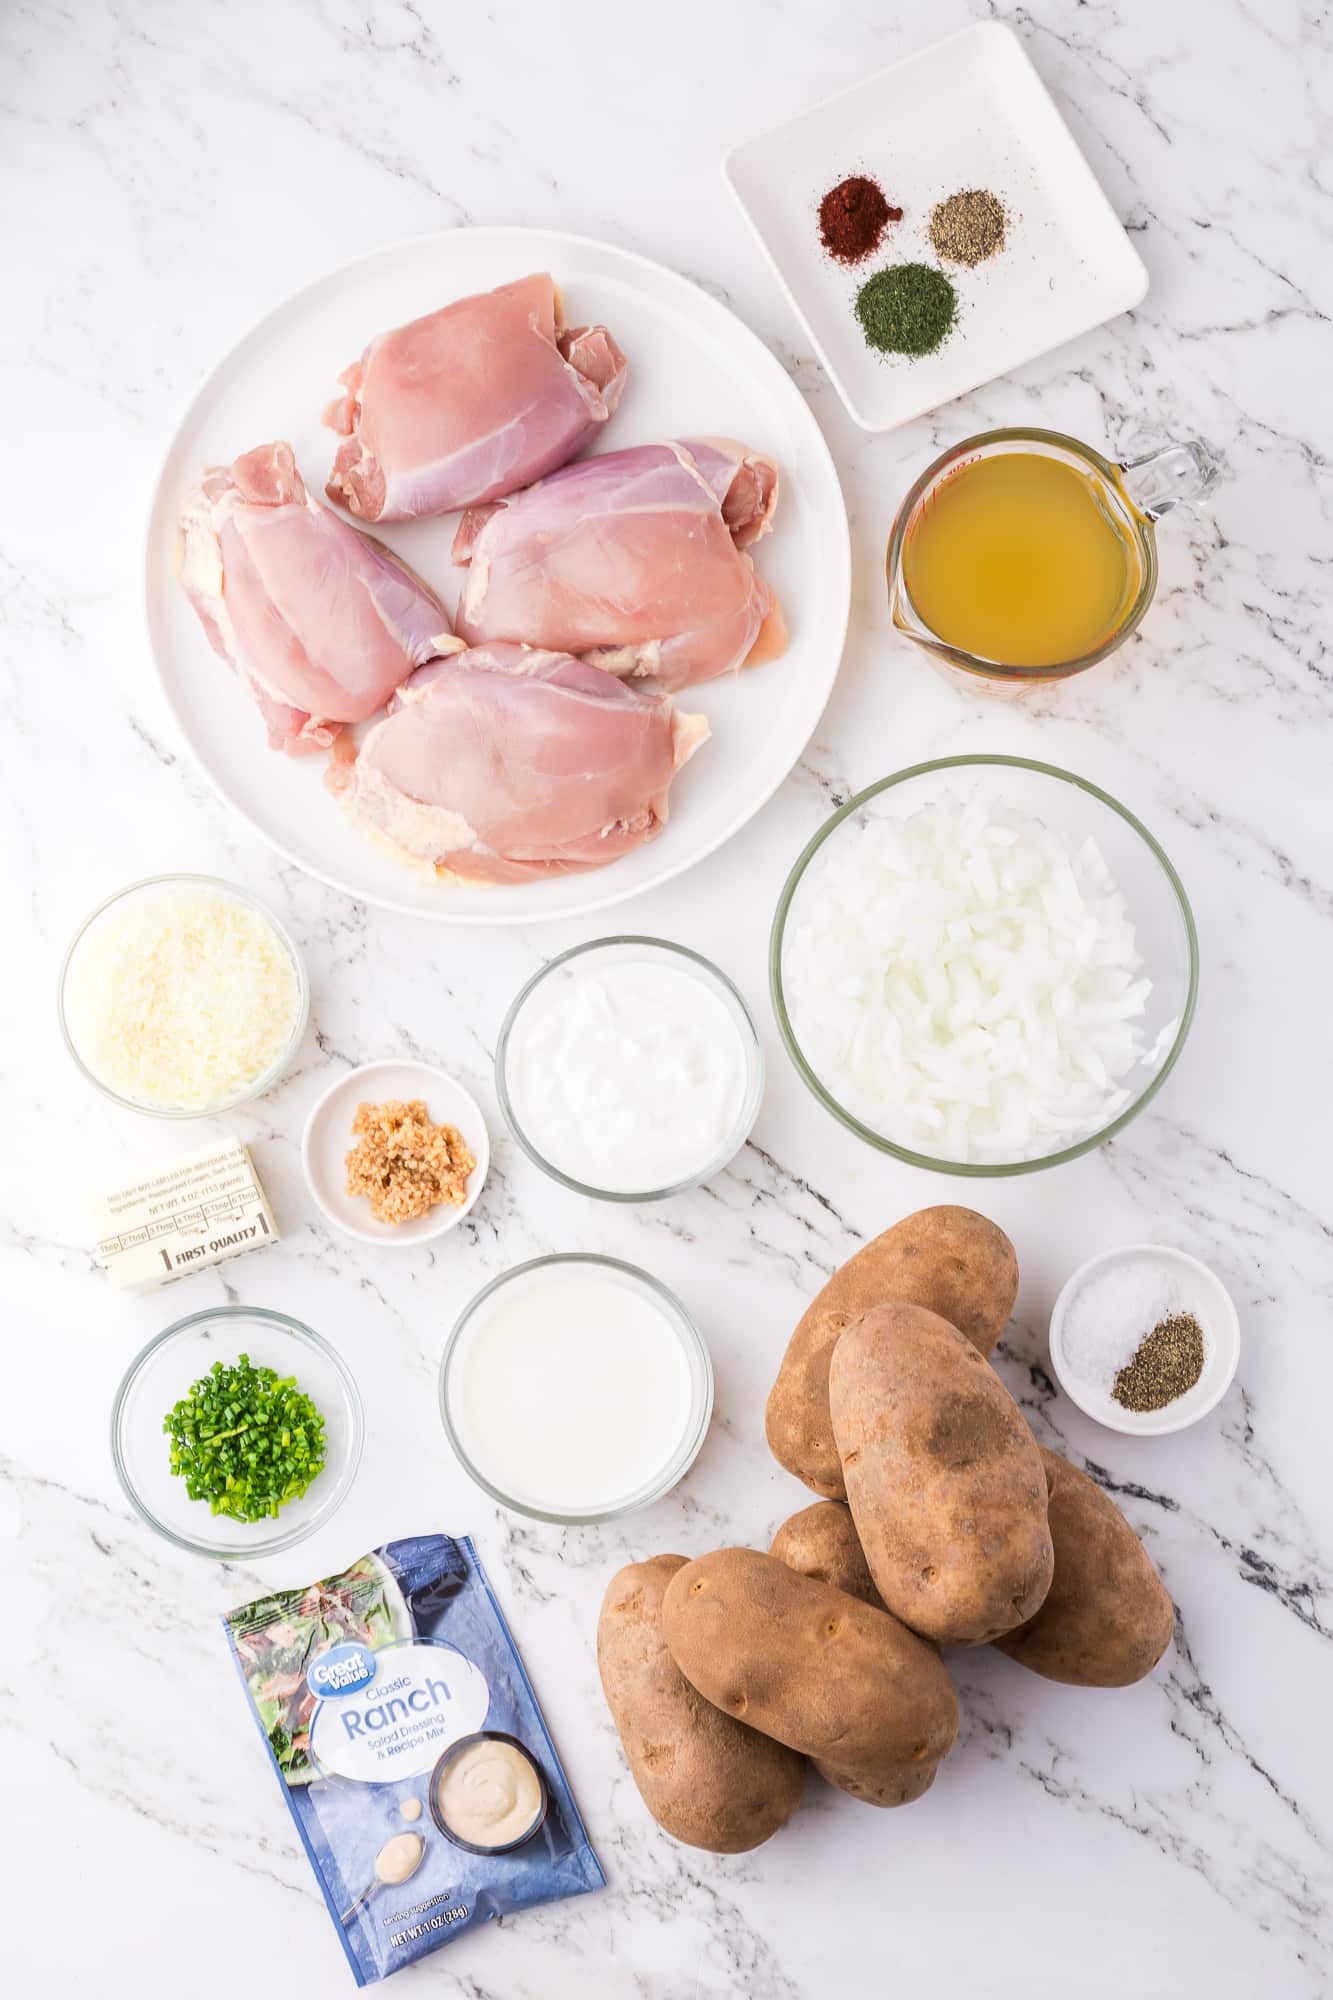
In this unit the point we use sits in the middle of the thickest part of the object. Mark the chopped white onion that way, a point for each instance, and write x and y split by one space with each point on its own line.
966 982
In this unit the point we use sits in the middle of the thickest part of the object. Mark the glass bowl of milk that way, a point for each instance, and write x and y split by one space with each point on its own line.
576 1388
629 1069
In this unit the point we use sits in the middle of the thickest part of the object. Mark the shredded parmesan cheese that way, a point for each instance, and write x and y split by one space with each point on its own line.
180 997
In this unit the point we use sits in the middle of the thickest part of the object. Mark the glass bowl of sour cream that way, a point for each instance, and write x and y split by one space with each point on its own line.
575 1388
629 1069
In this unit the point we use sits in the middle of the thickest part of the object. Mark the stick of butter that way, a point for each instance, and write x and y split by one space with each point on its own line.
198 1211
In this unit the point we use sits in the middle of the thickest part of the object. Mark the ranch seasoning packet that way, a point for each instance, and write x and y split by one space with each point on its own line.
411 1751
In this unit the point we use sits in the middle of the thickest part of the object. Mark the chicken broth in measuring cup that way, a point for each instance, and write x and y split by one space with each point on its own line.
1024 556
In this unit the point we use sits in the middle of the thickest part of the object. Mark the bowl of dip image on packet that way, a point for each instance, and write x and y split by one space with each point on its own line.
411 1751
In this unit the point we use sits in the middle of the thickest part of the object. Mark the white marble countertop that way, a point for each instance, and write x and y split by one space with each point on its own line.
172 173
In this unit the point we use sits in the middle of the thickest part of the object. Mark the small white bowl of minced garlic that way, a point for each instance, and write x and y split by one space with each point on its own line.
1145 1339
396 1152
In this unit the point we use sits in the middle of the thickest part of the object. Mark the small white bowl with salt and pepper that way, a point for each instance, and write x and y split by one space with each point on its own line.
1100 1338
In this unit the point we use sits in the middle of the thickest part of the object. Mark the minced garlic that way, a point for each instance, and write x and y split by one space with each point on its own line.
404 1165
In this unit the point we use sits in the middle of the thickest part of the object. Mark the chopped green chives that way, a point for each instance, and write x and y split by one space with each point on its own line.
246 1440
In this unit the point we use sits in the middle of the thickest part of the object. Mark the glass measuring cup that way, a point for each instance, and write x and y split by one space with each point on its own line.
1133 495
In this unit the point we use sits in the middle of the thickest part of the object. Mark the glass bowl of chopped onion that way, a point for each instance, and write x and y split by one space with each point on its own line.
984 966
214 1439
182 996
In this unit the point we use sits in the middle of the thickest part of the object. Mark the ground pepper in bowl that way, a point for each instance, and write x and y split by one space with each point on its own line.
853 217
1166 1363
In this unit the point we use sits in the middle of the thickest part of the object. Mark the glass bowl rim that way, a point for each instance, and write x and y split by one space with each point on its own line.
276 1069
692 1440
974 1169
999 670
754 1094
345 1474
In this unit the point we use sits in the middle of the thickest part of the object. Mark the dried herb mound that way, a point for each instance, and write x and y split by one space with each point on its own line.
907 309
853 217
1168 1361
968 227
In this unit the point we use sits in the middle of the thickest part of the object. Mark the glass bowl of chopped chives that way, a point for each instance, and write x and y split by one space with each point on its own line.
237 1432
182 996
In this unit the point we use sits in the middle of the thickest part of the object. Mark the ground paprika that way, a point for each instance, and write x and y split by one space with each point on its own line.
853 217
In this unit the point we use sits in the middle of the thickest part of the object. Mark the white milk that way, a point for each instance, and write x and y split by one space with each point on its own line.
570 1389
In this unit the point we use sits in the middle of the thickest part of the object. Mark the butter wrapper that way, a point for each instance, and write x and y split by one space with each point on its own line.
198 1211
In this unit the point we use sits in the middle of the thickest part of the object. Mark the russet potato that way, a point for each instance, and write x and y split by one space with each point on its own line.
818 1670
949 1260
944 1479
821 1542
1107 1618
705 1777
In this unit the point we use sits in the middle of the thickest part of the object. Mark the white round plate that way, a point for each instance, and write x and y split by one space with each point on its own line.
694 370
328 1140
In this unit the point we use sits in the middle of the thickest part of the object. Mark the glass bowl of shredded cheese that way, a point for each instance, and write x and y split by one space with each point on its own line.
984 965
182 996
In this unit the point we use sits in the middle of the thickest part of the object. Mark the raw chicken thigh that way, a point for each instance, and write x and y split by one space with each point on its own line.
321 622
506 764
469 403
633 561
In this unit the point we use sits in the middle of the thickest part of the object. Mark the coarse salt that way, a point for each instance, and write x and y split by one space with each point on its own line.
1110 1316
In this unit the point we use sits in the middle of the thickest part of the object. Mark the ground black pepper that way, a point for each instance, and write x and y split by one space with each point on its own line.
907 309
968 227
1169 1361
853 217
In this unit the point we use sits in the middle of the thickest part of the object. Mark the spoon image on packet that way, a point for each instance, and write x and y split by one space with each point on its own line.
397 1862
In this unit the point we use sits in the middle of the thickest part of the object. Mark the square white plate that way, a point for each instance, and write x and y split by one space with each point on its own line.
970 112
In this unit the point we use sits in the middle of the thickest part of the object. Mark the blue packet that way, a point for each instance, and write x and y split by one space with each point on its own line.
411 1751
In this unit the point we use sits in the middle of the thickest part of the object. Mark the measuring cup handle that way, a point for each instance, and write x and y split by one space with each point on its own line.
1164 478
